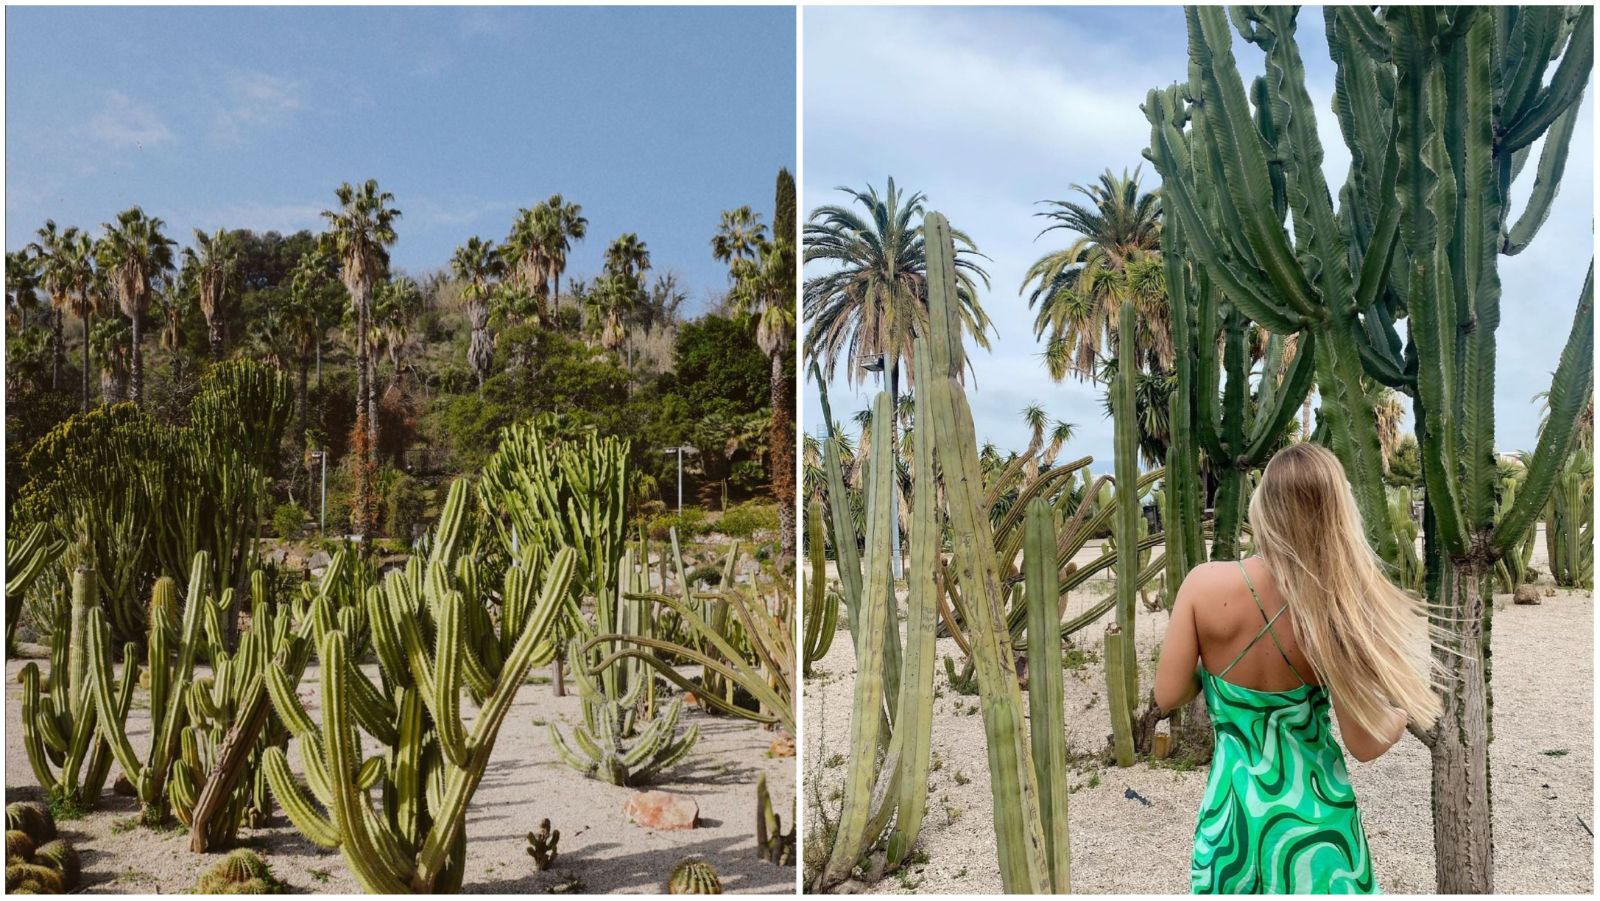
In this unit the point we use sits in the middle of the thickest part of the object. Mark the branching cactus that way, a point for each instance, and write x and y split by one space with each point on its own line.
69 757
1440 109
27 558
773 845
1569 523
433 636
171 674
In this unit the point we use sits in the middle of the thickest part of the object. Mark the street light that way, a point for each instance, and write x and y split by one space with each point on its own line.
322 518
680 450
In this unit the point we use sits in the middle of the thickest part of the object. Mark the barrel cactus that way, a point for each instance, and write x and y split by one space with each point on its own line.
693 877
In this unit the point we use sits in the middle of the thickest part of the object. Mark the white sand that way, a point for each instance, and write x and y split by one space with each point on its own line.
1543 676
525 782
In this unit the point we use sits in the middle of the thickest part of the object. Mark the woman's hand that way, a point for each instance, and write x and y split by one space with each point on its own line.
1363 745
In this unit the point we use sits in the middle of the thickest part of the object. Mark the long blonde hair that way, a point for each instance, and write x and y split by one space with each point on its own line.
1362 634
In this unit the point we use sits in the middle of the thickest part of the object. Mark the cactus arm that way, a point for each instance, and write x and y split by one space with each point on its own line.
1547 181
33 718
1269 426
446 693
97 634
1565 89
847 556
1569 390
1046 719
299 805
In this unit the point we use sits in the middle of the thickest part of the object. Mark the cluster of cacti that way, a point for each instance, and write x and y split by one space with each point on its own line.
1569 522
27 558
542 845
433 637
38 860
891 719
613 744
693 877
132 498
1440 108
170 652
241 872
69 757
773 845
1407 569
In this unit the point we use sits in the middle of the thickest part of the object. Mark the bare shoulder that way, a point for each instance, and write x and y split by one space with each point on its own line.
1209 578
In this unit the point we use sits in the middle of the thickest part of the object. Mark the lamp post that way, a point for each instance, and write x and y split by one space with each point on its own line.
876 364
680 450
322 517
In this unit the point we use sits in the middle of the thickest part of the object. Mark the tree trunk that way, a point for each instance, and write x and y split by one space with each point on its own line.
558 677
363 384
57 348
136 386
780 439
1463 838
214 333
85 408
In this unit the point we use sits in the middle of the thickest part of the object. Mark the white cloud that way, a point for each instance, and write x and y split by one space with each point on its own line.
127 123
253 99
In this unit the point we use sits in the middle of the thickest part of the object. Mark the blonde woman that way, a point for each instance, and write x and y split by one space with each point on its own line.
1275 641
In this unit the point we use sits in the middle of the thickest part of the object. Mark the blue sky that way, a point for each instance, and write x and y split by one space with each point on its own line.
654 119
989 110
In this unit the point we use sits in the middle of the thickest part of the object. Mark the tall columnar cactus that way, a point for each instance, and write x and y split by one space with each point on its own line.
821 608
27 558
1407 570
433 636
69 757
1440 108
773 845
1126 415
171 674
1046 697
1569 522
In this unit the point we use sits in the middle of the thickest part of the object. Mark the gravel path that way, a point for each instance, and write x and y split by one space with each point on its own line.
1132 829
599 851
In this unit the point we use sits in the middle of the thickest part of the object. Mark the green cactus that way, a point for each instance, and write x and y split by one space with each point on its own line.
773 845
1569 522
241 872
69 756
1046 695
31 818
1125 413
1439 108
693 877
821 606
27 558
433 635
1407 571
171 681
542 845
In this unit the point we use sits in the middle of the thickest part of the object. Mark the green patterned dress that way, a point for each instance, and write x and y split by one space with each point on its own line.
1279 815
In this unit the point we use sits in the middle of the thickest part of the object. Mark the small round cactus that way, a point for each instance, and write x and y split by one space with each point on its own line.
19 846
693 877
33 818
33 879
63 858
242 872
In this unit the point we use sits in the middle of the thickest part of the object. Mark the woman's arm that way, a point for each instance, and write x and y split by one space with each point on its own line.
1176 682
1363 745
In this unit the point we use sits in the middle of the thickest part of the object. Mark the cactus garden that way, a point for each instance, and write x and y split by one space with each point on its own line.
423 532
982 621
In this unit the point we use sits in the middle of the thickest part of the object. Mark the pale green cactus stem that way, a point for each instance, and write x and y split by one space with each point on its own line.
1569 523
1116 697
27 558
69 758
821 609
1126 531
1046 695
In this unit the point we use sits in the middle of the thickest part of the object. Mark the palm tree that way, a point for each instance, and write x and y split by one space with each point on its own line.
563 223
540 240
478 265
58 276
1078 291
1391 415
875 298
214 260
764 274
135 254
394 309
611 303
22 287
361 231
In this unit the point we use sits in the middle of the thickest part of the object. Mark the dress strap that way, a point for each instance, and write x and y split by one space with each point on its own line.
1265 630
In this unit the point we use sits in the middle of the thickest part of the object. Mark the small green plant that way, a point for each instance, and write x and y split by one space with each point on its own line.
962 778
288 519
746 519
403 506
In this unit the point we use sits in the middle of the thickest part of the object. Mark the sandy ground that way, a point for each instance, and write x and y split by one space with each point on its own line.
599 852
1132 829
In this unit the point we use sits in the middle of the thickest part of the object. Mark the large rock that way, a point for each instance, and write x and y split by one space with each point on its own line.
1526 594
662 810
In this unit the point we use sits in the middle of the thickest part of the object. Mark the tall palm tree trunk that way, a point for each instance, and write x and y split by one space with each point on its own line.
363 412
58 348
781 441
85 407
136 385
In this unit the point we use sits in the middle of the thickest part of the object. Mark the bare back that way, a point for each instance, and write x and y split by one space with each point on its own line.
1230 626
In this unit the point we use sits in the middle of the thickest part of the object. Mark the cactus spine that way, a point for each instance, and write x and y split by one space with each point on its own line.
1439 109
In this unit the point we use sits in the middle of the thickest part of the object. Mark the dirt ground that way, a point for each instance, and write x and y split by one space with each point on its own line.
1132 829
600 851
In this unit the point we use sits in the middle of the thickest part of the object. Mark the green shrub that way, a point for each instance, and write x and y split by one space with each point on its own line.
403 506
748 518
689 523
288 519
